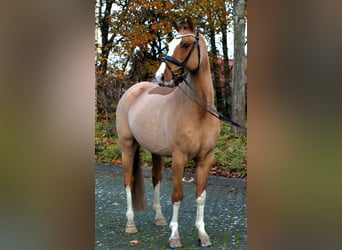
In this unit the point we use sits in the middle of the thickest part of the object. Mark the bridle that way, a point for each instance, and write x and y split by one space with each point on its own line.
178 78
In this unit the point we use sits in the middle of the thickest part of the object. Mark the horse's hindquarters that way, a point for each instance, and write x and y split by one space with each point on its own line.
141 115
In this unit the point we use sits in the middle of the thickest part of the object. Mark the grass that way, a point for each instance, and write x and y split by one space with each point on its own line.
230 152
106 144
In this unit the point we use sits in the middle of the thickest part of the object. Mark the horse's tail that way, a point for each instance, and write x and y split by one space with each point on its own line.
138 190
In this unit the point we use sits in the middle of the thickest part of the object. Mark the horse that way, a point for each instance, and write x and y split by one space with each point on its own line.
168 120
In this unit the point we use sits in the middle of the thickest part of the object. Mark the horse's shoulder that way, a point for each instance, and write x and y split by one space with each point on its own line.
143 86
139 88
150 88
157 90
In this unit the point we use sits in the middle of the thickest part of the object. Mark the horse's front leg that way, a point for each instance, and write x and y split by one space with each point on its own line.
156 179
178 162
204 239
175 238
202 172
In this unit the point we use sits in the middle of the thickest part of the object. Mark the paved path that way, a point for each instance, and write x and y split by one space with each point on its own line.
225 215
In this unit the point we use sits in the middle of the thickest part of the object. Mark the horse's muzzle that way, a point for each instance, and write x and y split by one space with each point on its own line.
169 84
161 81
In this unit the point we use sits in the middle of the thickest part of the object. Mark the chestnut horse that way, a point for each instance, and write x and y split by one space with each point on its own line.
169 122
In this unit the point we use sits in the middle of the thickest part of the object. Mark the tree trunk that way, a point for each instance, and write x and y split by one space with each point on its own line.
216 71
106 43
227 89
239 99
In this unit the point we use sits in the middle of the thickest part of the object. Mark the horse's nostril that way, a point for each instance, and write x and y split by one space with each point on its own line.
162 77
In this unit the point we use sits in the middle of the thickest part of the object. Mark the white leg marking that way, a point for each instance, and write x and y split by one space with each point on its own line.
129 213
174 220
160 220
156 201
200 215
130 226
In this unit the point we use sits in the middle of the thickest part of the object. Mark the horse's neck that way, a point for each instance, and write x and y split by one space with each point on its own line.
202 82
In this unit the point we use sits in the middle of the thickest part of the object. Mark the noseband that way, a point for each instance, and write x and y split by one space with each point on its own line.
178 78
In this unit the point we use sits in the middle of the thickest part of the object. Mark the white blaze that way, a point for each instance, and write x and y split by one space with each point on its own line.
172 46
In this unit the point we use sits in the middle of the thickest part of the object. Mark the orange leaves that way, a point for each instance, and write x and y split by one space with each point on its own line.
141 6
168 5
157 5
155 26
116 161
141 40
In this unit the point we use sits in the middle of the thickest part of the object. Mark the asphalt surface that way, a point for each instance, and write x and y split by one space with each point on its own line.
225 213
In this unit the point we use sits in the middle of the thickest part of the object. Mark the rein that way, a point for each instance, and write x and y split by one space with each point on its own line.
206 106
178 78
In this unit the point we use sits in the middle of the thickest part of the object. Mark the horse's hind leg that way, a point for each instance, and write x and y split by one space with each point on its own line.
202 172
128 147
156 180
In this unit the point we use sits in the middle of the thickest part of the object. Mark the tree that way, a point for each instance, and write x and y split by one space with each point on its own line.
239 98
216 70
215 16
104 8
225 17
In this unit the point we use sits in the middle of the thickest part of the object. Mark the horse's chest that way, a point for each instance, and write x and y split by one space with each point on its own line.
197 140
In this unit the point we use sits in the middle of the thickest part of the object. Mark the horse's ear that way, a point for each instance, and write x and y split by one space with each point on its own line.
184 24
176 25
190 23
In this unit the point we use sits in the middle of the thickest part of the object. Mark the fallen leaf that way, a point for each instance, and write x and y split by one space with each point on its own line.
117 161
134 242
188 181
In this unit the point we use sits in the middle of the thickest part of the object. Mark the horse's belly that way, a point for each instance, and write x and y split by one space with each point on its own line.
152 139
154 146
148 130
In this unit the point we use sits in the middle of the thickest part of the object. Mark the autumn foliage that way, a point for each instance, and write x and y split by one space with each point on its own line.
132 37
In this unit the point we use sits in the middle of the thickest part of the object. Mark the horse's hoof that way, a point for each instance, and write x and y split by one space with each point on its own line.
175 242
161 222
131 229
204 241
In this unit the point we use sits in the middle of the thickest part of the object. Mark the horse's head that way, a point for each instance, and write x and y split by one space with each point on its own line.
183 55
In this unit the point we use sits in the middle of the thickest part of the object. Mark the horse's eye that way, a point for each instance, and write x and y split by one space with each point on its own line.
185 45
